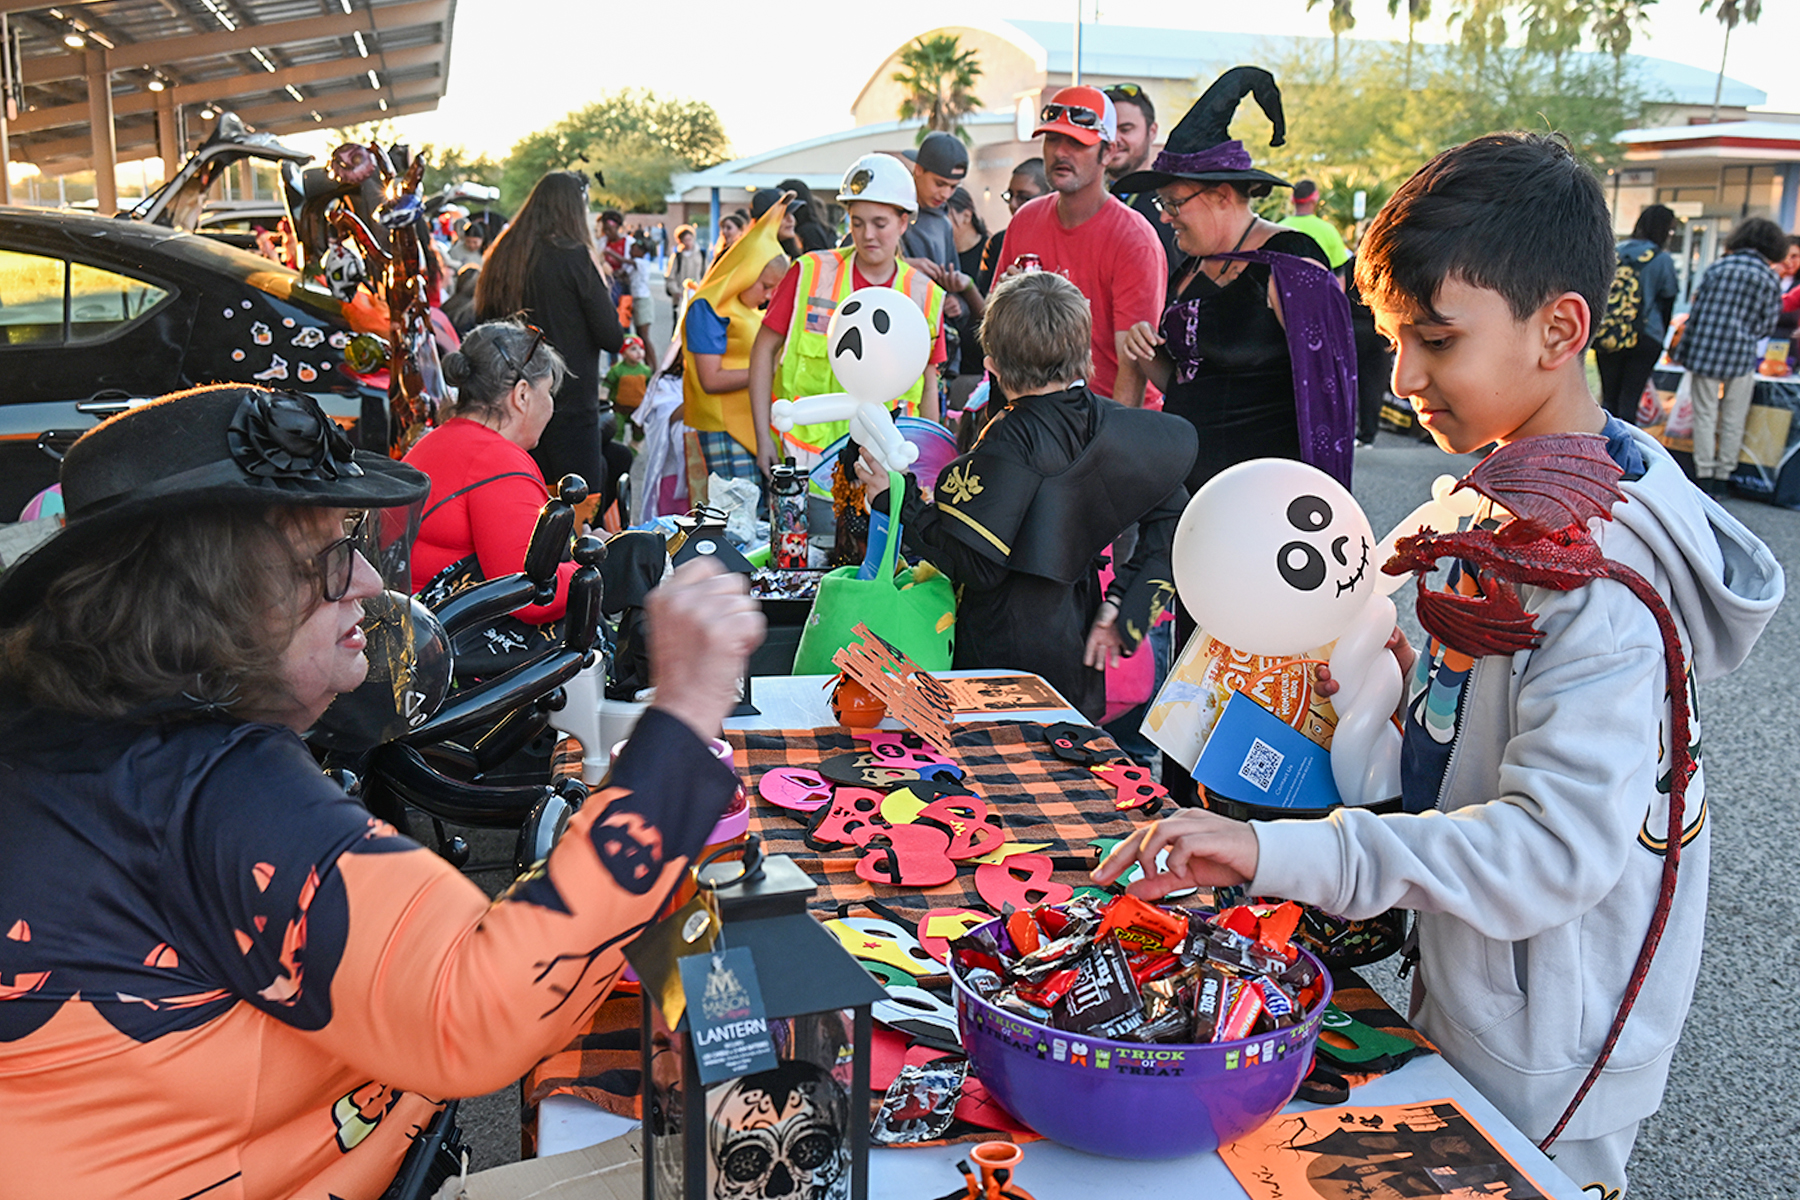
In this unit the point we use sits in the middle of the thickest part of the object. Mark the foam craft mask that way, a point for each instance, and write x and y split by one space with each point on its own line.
879 345
1274 557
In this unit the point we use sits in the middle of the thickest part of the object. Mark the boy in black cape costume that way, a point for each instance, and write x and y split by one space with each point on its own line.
1020 521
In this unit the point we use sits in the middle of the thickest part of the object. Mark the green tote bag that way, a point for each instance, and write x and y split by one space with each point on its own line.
914 610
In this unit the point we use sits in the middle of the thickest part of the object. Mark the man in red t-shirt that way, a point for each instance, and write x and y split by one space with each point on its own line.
1108 251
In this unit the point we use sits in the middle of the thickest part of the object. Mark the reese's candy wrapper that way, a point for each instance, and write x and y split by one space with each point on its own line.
1103 990
1144 926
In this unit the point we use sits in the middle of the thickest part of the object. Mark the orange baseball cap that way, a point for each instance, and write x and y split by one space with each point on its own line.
1083 113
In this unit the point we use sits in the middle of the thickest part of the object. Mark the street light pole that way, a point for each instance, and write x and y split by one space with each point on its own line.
1076 74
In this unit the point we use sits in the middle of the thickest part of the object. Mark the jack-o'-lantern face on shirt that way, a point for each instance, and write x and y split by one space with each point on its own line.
631 849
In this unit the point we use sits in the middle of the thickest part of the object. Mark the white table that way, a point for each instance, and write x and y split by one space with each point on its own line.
1049 1171
802 702
1052 1172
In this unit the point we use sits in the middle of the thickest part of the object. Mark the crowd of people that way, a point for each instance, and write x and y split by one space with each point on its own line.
211 934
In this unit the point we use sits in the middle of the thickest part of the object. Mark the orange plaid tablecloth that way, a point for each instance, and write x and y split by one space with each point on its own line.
1040 798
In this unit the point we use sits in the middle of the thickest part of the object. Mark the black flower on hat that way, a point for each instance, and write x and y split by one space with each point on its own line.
286 435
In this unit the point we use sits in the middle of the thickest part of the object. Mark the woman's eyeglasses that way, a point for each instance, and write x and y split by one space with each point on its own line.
537 339
1085 118
1173 206
335 565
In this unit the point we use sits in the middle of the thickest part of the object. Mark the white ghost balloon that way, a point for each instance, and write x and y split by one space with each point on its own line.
880 345
1274 557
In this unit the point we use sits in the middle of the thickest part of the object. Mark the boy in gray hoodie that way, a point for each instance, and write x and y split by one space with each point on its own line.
1532 839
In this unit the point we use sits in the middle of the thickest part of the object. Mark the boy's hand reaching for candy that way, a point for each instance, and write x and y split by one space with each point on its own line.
1205 850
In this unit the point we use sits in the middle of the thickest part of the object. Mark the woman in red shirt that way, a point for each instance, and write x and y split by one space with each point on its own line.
486 489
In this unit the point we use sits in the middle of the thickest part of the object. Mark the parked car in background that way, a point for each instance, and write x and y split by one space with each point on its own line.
95 312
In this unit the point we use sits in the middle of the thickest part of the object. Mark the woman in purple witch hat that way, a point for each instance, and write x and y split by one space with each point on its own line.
1255 348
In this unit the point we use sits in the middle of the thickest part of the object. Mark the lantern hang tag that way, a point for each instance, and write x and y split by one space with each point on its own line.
692 929
729 1033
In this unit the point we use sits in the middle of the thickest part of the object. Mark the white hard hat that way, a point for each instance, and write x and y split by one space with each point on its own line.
881 178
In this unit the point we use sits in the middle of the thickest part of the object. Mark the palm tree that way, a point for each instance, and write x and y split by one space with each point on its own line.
1416 11
1341 20
1616 22
1553 27
1730 12
937 76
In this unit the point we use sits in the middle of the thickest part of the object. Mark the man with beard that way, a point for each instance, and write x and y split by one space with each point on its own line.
1108 251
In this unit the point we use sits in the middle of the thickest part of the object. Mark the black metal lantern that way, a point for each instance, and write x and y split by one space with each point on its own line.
798 1129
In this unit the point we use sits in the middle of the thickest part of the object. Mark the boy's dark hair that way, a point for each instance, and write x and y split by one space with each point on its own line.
1033 169
1515 213
1761 235
1654 225
612 214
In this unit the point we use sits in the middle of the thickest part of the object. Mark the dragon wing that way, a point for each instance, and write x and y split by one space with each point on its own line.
1478 625
1556 480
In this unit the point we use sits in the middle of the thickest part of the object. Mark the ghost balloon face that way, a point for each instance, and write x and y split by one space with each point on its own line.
879 344
1274 557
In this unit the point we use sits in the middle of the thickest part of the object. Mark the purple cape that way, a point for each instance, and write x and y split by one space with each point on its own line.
1316 315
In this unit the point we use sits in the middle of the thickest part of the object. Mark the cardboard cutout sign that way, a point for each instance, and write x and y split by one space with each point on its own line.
912 696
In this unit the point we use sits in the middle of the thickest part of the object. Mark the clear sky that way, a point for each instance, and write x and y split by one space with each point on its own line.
510 76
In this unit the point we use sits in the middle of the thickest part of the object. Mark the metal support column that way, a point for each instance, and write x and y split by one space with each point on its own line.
168 138
100 130
712 215
1786 213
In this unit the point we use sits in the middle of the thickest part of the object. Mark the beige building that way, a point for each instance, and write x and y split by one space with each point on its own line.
1713 176
1024 61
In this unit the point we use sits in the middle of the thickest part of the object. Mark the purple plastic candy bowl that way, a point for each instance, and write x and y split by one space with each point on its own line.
1131 1099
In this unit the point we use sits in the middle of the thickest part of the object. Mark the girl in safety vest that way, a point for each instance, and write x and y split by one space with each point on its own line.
879 193
717 332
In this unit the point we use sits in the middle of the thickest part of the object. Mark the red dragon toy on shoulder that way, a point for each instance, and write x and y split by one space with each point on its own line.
1551 487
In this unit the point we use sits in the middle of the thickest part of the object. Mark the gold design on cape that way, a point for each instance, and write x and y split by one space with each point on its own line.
961 483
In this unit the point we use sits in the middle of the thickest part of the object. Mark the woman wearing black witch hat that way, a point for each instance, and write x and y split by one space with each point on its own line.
1255 347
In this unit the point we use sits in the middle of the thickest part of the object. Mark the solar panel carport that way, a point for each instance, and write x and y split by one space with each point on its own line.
118 79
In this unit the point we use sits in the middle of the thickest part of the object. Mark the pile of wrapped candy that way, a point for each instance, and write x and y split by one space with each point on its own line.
1126 970
775 583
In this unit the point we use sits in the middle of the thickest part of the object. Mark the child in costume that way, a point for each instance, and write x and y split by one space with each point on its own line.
1058 475
1542 783
717 331
880 195
626 380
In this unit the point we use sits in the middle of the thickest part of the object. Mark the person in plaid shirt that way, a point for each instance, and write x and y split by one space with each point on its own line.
1735 306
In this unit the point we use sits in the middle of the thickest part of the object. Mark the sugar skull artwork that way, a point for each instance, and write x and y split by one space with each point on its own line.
779 1133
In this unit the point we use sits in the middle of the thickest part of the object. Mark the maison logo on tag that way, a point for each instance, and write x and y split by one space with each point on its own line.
725 998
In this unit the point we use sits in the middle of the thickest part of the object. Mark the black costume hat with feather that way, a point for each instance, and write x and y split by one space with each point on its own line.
1200 147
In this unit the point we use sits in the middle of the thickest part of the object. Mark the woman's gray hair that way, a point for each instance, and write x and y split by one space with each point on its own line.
492 360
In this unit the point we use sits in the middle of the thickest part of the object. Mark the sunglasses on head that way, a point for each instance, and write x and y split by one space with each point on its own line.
1076 114
1129 91
537 339
335 565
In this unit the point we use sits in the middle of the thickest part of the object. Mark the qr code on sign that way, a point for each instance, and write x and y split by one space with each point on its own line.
1261 764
